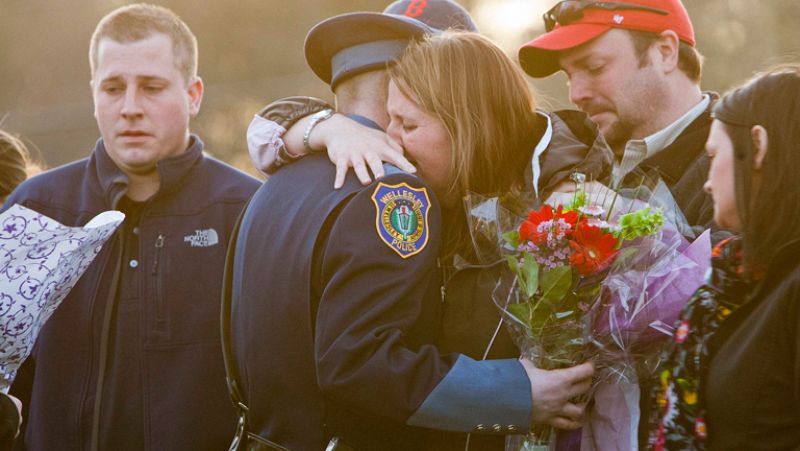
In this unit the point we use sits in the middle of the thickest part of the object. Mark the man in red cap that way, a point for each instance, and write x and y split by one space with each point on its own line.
633 68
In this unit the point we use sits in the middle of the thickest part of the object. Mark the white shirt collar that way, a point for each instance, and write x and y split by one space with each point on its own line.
661 139
638 150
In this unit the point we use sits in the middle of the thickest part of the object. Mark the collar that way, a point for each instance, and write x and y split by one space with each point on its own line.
673 161
171 171
638 150
541 146
667 135
365 121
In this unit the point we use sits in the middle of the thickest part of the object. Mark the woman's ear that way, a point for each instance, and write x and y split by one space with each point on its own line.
759 136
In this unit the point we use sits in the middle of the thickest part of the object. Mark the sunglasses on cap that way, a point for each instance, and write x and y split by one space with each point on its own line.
568 11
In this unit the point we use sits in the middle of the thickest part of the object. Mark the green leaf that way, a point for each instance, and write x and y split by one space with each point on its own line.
640 223
578 201
512 238
555 283
512 263
530 274
522 312
540 317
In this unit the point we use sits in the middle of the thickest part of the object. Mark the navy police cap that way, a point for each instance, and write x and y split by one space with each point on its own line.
349 44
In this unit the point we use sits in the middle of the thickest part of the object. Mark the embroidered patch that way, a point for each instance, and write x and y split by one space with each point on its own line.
202 238
402 217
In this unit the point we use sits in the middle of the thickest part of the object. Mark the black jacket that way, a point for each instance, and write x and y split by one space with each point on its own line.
175 360
683 165
753 389
470 318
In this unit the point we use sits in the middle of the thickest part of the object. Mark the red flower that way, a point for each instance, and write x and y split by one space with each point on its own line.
540 224
593 248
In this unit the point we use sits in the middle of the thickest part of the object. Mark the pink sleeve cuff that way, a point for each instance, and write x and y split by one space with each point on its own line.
264 139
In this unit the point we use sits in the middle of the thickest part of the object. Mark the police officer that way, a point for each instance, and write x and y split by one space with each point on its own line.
335 292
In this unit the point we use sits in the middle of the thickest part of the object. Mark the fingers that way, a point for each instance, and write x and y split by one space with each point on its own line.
579 372
570 417
579 388
396 156
341 172
360 168
572 411
552 390
375 165
400 161
565 423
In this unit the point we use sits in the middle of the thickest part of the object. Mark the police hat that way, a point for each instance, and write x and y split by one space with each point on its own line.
353 43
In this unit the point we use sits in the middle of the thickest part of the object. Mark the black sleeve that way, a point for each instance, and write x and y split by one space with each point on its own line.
9 422
373 294
22 388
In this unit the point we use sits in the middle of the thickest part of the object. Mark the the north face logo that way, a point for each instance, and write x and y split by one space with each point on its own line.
202 238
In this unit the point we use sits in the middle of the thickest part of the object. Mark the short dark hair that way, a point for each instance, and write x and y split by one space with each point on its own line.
690 60
767 212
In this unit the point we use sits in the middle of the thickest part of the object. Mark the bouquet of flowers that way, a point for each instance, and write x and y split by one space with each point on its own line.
590 277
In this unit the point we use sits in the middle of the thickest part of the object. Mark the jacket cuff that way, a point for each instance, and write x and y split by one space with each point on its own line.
488 396
285 112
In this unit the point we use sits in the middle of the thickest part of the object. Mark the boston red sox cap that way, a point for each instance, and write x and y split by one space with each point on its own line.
439 14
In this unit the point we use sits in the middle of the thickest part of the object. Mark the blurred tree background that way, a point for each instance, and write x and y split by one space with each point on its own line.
251 53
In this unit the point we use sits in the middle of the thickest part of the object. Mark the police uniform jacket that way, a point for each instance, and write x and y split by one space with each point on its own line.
334 318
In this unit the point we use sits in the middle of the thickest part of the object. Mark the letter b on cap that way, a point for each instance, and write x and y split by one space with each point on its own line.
416 8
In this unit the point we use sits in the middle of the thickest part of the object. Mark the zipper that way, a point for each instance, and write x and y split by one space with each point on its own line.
160 303
159 245
105 331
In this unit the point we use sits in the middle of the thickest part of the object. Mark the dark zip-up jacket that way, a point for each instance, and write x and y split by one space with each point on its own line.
176 363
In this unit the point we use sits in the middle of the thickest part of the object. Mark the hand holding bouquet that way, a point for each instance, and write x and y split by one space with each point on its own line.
598 275
559 257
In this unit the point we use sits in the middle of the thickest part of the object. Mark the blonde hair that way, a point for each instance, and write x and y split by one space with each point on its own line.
13 163
483 101
140 21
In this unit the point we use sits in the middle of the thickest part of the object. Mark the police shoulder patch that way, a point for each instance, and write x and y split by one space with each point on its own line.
402 217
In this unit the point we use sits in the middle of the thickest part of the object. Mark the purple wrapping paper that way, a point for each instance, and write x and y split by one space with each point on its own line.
644 306
643 297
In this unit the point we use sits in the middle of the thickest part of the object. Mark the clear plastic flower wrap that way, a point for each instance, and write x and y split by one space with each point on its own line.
595 275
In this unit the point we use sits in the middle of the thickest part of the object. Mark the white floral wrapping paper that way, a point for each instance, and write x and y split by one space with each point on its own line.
40 261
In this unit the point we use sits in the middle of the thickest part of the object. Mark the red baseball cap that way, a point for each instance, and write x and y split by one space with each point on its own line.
539 57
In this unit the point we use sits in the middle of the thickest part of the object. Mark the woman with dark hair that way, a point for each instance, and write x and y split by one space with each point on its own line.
732 379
